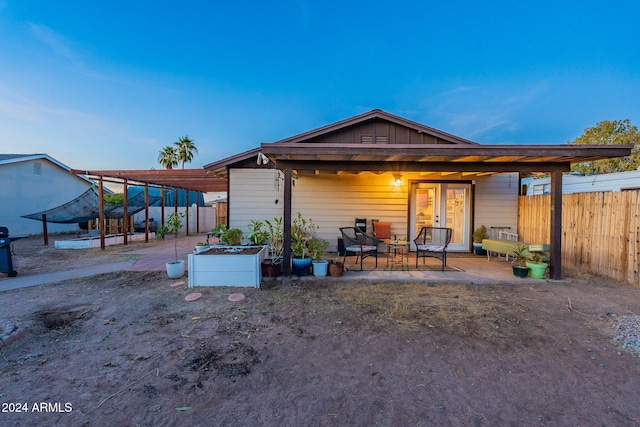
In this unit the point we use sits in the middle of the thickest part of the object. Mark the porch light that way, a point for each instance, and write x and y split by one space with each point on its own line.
397 180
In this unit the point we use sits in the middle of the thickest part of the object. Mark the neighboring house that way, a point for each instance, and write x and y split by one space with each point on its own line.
576 183
380 166
31 183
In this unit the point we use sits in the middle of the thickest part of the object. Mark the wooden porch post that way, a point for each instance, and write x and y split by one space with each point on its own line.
187 210
146 212
286 256
175 200
45 231
125 214
197 212
162 207
555 256
101 211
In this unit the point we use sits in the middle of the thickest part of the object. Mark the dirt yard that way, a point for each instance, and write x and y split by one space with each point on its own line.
126 349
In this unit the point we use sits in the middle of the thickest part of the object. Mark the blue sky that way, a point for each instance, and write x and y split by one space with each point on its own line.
108 84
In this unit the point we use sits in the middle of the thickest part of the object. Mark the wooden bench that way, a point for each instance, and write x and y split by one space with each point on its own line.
507 242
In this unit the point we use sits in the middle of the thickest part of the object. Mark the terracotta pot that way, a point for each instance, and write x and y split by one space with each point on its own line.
336 269
270 268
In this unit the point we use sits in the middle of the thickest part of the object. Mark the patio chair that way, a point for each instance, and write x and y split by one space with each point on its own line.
382 230
433 242
356 241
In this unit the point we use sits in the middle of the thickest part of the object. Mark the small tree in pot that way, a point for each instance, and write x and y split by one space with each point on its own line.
317 249
272 266
302 232
175 269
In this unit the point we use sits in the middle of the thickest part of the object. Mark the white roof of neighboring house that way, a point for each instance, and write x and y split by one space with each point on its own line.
572 183
6 159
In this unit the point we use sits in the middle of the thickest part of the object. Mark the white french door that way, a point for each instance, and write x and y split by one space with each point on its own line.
442 205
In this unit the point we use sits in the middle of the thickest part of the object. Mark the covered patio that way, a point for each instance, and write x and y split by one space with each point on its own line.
381 143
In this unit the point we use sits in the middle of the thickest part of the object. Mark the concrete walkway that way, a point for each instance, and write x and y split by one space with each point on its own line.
153 259
473 269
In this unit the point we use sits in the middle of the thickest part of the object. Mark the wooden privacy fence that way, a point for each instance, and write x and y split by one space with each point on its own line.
600 231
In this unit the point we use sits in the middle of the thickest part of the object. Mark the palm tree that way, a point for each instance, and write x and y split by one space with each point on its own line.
168 157
185 149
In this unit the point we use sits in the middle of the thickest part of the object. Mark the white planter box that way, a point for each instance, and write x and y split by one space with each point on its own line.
207 269
94 242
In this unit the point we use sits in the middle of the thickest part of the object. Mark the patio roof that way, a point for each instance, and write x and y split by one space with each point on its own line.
188 179
380 142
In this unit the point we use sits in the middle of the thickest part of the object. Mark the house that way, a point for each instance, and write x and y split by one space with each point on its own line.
34 183
379 166
577 183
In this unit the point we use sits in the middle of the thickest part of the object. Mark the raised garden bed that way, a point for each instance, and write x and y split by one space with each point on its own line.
227 266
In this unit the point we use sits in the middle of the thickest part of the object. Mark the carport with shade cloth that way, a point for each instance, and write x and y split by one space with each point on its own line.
86 207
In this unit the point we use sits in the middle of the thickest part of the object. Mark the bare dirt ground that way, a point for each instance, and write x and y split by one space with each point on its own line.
125 348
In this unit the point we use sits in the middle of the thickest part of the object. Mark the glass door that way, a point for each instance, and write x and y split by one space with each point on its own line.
425 207
441 205
457 214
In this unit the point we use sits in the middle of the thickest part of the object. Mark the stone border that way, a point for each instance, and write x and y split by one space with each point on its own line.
9 333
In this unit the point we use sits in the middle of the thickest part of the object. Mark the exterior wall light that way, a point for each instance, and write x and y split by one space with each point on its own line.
397 180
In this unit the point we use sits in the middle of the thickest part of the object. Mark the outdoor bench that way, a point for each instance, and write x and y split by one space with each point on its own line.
506 243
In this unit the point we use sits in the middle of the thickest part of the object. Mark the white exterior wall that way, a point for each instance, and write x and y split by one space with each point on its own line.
334 201
252 196
23 191
496 201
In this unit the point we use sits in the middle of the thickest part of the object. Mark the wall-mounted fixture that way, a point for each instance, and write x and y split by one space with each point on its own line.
397 180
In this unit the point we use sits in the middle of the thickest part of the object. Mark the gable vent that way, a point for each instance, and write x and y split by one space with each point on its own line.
381 139
37 168
366 139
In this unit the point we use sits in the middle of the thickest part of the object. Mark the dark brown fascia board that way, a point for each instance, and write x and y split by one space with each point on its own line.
220 164
354 167
373 115
590 152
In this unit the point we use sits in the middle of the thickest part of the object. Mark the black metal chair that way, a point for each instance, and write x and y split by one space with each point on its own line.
432 242
360 243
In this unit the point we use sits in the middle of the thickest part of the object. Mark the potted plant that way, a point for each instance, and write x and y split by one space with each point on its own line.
175 269
520 258
317 249
479 235
537 266
302 231
336 268
272 265
232 237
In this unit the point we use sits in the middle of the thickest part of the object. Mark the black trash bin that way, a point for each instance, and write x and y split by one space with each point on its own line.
6 263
